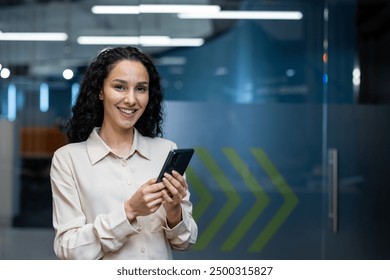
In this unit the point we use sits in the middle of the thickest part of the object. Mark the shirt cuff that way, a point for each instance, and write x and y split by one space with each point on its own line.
178 230
120 225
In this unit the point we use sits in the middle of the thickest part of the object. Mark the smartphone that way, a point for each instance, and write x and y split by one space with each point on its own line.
177 160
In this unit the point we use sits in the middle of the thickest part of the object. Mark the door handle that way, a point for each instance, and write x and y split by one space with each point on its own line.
333 187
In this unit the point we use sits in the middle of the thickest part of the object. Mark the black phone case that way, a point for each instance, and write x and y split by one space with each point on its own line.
177 160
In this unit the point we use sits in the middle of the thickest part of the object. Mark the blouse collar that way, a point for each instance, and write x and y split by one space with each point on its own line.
97 149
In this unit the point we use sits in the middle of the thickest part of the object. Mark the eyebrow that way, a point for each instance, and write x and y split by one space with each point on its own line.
125 82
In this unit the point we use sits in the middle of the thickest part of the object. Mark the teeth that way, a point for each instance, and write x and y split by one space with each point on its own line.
126 111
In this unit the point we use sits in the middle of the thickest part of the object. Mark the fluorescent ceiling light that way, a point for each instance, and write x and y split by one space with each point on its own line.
118 9
154 40
172 9
270 15
154 9
33 36
121 40
107 40
149 41
176 42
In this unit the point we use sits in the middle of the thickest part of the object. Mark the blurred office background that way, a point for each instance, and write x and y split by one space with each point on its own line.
287 103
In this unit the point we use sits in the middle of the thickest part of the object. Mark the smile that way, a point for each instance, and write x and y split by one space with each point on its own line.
127 111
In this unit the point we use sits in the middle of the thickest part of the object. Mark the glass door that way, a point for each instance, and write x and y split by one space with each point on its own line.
250 102
358 138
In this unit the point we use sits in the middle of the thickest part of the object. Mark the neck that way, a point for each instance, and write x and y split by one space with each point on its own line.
120 141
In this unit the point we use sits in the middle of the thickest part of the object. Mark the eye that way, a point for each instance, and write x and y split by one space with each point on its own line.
141 88
119 87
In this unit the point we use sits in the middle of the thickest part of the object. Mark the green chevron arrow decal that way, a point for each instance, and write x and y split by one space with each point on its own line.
230 205
260 204
290 201
233 199
205 198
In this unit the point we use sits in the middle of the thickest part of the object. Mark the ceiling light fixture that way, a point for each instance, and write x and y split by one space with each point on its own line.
265 15
107 40
33 36
147 41
176 42
117 9
154 9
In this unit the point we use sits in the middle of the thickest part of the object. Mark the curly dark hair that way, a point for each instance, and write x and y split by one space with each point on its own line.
88 110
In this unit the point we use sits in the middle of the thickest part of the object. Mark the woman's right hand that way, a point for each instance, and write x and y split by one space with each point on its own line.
146 200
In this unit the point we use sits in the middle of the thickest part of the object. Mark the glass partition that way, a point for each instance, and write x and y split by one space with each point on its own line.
285 103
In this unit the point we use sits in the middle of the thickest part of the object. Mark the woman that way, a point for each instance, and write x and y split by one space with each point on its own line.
106 202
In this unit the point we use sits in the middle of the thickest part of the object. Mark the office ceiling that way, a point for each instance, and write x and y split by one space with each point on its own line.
76 19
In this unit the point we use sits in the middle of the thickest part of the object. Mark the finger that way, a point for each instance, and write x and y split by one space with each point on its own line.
183 183
151 187
172 180
155 188
180 178
179 183
170 187
171 199
155 204
167 195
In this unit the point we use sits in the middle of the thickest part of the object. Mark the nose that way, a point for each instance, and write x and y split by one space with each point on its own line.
130 97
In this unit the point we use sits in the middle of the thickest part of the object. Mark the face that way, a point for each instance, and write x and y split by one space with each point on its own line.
125 95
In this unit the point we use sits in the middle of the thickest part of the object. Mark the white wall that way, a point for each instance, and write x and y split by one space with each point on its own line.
7 172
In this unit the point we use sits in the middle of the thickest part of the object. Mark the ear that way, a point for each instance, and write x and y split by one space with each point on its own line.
101 96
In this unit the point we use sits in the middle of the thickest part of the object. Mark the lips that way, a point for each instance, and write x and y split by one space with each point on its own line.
128 112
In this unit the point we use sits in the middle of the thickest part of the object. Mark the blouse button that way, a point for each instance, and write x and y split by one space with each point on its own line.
129 182
124 163
142 250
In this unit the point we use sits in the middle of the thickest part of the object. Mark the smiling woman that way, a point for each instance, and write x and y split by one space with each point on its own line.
88 111
125 96
106 201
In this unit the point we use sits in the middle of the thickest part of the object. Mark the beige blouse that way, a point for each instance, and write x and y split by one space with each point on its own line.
90 185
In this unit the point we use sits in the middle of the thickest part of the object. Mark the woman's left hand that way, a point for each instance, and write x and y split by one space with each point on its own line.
173 194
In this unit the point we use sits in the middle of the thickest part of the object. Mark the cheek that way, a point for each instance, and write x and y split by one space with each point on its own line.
111 98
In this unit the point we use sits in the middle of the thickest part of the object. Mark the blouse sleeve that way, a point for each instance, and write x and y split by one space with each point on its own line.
184 234
74 238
